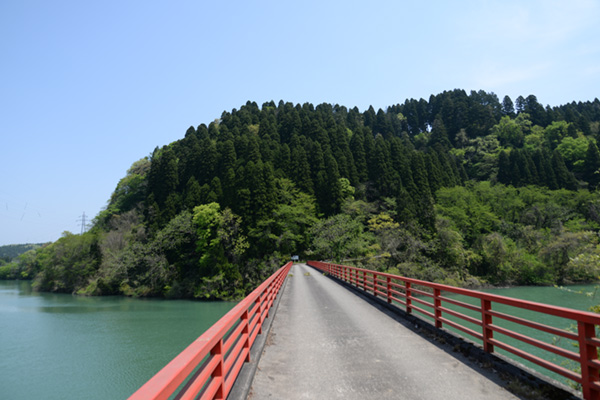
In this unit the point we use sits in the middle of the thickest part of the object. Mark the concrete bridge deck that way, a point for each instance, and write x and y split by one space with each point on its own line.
328 343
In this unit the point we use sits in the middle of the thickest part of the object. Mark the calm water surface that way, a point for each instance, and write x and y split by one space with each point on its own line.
580 297
59 346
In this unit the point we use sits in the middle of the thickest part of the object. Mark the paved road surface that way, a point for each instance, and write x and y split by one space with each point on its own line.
328 343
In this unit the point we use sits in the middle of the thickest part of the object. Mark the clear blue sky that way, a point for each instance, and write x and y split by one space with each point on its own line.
87 88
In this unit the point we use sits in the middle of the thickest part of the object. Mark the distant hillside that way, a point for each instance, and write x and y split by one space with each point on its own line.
11 251
462 188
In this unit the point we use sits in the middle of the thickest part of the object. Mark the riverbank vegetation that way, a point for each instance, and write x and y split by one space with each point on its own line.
463 189
10 267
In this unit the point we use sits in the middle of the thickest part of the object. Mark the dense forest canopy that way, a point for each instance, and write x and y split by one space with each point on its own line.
463 188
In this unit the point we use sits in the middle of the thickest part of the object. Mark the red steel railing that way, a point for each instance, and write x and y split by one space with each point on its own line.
428 299
208 367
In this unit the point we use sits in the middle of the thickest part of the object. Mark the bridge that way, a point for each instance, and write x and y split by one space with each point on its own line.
351 333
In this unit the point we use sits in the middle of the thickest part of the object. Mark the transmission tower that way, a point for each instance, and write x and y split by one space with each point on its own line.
82 220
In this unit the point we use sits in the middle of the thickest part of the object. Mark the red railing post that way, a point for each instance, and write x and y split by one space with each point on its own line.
365 281
218 375
258 312
374 284
246 334
408 297
588 353
389 289
486 320
437 304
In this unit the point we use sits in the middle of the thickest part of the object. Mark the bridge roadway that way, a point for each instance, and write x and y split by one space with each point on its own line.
328 343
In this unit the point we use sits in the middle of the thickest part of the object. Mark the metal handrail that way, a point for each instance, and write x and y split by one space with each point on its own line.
401 290
209 366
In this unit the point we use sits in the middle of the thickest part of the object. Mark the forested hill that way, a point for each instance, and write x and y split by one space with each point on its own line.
10 251
463 188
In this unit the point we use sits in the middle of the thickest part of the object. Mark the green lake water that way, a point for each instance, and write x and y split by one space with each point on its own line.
580 297
59 346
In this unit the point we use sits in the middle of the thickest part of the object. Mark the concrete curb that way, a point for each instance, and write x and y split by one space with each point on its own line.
243 383
505 368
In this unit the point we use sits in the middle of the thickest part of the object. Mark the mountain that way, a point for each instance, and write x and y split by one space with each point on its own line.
462 188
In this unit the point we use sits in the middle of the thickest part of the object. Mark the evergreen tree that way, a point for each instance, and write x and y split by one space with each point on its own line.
421 193
564 178
434 173
328 191
192 194
535 110
380 172
359 155
207 161
551 178
439 135
164 176
531 167
591 167
520 105
508 109
515 171
301 171
504 170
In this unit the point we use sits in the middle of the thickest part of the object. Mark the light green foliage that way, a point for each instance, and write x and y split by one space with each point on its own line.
555 132
358 210
207 218
524 236
230 236
585 267
346 189
510 131
67 263
287 230
389 237
11 271
18 261
497 253
559 252
382 222
339 237
535 140
573 150
220 244
481 156
466 211
450 248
